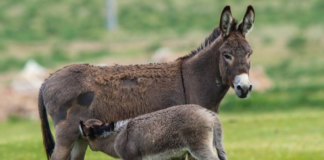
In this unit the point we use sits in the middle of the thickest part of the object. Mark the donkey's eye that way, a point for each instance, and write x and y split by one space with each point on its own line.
227 56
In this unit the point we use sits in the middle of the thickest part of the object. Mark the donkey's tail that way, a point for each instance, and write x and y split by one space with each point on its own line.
48 141
218 139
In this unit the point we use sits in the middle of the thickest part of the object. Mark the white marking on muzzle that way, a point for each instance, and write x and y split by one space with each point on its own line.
244 83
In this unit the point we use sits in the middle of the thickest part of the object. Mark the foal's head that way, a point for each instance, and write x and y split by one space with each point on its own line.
94 128
235 51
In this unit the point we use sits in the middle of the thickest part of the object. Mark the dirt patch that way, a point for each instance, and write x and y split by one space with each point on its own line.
17 104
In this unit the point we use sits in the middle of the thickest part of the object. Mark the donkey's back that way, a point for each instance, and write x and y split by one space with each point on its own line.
108 93
104 88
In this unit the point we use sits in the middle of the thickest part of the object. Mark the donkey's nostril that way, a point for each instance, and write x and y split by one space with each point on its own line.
239 87
250 88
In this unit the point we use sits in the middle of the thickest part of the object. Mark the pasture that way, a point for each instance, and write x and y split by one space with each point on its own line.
297 134
284 122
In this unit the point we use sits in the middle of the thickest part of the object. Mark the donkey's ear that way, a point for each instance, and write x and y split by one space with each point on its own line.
226 20
247 23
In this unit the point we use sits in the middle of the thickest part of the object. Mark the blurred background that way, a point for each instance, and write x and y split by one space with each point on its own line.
282 118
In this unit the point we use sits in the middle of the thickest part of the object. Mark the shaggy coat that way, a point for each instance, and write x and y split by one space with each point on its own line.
160 135
112 93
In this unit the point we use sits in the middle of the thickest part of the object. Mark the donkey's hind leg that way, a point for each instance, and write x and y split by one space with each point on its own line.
79 149
180 158
64 142
67 133
68 146
190 157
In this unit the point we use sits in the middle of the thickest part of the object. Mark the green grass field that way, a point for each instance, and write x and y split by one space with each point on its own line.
47 31
297 134
283 123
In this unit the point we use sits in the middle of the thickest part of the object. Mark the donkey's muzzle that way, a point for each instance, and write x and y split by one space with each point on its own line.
242 85
245 89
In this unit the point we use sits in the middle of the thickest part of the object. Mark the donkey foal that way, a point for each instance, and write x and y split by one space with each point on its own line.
164 134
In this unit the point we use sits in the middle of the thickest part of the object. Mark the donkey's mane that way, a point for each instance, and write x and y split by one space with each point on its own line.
208 40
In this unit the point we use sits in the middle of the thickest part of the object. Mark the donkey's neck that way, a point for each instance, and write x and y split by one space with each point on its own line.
202 79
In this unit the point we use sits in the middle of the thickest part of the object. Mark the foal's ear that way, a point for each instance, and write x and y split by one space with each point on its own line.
81 126
246 24
226 20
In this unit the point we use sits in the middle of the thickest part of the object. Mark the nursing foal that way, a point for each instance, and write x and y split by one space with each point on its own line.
161 135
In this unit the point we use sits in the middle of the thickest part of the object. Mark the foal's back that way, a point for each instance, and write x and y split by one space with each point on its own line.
167 132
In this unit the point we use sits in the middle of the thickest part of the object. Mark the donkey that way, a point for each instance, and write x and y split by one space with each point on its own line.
82 91
160 135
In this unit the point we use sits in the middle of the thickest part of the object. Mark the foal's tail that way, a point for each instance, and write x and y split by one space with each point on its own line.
48 141
218 139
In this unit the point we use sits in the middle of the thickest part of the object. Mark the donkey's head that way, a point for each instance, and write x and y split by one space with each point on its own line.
94 128
235 51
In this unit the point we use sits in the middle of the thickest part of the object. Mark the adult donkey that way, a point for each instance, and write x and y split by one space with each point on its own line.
82 91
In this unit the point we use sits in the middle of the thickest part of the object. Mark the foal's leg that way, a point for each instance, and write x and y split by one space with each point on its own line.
133 158
204 153
203 149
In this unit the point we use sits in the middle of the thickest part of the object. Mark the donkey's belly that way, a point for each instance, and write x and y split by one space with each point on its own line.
169 154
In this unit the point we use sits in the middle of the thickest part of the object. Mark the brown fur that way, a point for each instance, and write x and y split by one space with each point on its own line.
177 130
208 40
121 90
82 91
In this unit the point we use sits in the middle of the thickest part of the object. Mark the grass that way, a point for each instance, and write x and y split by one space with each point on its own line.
69 20
279 135
286 42
297 134
47 23
55 57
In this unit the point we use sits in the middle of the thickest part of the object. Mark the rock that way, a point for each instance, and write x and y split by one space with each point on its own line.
30 78
259 79
20 98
